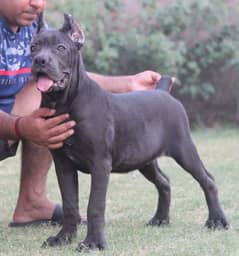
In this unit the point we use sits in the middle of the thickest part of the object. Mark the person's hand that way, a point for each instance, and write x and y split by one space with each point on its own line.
50 132
145 80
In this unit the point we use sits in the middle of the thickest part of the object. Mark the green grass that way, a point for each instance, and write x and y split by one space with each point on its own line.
131 202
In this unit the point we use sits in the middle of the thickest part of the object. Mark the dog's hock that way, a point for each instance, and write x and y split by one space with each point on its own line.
73 30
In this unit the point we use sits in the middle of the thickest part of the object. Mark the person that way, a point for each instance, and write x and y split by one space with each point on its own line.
37 128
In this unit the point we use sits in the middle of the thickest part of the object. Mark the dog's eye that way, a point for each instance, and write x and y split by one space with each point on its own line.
61 48
33 48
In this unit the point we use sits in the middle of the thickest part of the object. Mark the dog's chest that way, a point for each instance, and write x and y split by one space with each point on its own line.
81 162
80 151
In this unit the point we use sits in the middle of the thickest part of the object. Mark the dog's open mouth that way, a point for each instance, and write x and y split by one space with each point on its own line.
46 84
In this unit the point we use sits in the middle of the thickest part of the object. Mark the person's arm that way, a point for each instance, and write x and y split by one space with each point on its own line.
7 129
36 128
119 84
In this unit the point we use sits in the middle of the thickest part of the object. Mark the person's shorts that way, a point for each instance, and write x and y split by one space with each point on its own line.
6 104
7 150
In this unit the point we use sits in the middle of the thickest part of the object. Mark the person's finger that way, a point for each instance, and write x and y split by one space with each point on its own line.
55 146
156 76
61 128
60 137
43 112
54 121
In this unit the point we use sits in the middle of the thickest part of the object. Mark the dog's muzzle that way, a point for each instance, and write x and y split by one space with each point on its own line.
46 84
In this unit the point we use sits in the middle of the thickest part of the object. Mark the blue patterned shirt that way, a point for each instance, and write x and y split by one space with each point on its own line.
15 62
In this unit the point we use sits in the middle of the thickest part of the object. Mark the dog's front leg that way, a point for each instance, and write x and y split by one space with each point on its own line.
95 238
68 182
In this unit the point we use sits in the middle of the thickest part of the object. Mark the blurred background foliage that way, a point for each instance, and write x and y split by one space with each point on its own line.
197 41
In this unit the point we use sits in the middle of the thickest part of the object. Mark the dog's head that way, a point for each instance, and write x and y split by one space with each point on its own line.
54 54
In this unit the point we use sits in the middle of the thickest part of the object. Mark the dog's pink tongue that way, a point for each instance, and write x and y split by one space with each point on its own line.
44 83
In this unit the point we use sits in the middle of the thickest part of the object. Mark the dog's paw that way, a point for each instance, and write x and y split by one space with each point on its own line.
158 222
54 241
89 245
217 224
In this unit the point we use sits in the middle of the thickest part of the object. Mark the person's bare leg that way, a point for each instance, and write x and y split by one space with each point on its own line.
32 202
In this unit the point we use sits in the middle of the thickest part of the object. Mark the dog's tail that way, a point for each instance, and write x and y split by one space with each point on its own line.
166 83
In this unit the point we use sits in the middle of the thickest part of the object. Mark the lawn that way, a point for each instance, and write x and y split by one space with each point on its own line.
131 202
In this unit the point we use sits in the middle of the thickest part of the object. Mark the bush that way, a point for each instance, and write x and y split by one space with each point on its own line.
190 39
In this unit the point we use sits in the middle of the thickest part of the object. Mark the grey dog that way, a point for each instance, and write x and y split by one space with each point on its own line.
114 133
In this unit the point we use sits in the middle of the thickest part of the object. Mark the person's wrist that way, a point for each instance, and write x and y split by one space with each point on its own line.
17 128
131 83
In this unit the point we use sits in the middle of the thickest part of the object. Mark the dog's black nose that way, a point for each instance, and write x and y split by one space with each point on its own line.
40 61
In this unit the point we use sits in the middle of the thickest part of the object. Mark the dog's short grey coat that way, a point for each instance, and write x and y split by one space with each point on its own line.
114 133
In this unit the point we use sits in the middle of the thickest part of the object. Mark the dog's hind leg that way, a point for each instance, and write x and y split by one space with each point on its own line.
186 155
152 172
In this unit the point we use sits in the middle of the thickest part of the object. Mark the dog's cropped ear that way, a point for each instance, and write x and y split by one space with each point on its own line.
73 30
40 23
